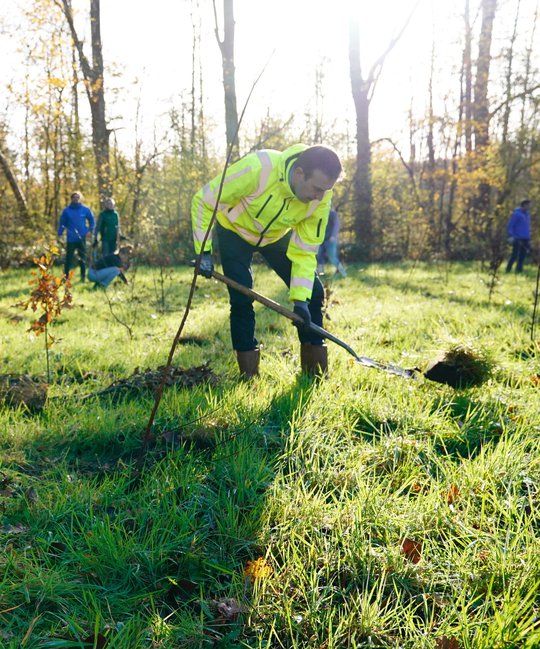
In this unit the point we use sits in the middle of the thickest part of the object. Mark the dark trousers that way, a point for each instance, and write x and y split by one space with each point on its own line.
108 246
236 256
80 247
520 248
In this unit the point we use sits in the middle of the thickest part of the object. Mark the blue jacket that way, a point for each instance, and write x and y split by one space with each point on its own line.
519 225
73 219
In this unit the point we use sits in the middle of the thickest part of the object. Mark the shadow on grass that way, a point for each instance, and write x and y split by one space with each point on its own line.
170 537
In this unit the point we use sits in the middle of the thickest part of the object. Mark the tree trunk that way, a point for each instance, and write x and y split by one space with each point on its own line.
362 92
226 45
483 62
467 81
95 90
362 190
481 101
15 187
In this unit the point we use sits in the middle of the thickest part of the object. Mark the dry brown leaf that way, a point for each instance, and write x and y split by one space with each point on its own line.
229 609
412 549
453 494
18 528
444 642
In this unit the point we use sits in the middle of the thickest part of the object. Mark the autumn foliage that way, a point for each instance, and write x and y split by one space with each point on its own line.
46 297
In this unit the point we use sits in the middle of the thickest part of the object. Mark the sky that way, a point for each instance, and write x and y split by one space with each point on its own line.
289 42
150 45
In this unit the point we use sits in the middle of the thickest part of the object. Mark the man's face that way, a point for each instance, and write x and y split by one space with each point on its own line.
75 198
312 188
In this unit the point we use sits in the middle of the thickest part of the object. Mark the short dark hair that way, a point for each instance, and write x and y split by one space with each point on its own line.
525 203
322 158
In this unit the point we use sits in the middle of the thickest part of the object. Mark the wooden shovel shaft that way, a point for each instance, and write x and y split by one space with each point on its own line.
278 308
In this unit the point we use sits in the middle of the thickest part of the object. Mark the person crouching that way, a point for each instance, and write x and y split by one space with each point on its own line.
109 267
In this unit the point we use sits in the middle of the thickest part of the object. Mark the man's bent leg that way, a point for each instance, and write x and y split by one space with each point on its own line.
236 255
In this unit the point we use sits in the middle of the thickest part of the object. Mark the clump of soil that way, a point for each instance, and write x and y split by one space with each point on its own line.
150 380
460 366
22 390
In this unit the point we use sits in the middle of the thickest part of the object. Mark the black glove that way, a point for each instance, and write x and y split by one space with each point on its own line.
207 265
301 309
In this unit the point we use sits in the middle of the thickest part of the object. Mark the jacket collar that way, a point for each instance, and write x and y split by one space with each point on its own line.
286 161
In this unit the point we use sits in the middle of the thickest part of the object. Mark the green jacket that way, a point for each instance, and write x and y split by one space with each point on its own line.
108 225
258 204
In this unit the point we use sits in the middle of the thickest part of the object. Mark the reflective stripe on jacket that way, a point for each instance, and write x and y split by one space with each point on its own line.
258 204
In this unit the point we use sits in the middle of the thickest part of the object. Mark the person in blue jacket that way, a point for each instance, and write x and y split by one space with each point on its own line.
329 247
519 235
78 221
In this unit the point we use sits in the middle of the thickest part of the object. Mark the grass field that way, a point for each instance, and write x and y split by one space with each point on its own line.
365 510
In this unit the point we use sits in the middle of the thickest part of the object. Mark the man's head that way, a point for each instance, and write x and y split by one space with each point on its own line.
315 172
76 198
525 204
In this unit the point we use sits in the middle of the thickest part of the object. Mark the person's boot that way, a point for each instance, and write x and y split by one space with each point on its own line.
248 363
314 359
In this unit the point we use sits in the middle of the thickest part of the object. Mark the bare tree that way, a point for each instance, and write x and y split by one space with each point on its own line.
483 62
93 74
226 45
362 92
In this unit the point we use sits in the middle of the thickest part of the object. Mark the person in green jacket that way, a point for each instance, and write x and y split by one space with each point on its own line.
277 204
108 228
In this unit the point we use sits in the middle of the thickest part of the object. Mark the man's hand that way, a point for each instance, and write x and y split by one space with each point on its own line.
301 309
207 265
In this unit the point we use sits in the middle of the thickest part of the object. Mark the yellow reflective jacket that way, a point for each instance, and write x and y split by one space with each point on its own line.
258 204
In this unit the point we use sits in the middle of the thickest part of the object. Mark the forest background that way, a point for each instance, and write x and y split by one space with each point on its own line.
433 109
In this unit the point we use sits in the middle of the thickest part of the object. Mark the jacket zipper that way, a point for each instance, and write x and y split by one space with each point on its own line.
262 208
270 223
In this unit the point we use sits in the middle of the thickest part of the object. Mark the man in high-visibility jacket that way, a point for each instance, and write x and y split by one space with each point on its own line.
276 203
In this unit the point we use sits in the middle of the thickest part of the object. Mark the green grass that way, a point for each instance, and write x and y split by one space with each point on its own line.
324 480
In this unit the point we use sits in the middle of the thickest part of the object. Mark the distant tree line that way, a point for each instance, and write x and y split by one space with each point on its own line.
446 195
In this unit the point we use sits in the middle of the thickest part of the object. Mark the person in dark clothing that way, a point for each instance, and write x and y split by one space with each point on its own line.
519 235
77 220
329 247
108 228
106 269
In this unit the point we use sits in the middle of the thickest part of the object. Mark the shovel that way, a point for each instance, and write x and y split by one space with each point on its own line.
278 308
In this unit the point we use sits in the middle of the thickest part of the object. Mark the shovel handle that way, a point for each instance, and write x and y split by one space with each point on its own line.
278 308
271 304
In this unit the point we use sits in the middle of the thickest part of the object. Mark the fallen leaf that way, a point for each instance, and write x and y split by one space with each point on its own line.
444 642
258 569
229 609
412 550
98 641
18 528
453 494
